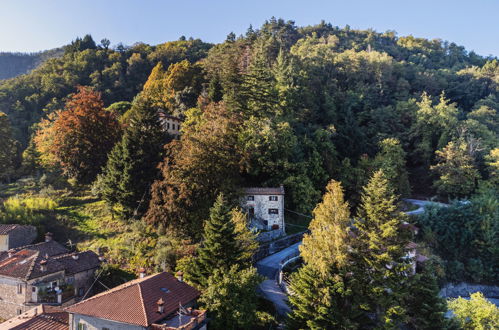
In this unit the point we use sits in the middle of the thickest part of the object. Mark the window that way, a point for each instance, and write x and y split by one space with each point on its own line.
251 198
273 198
273 211
167 125
265 222
33 289
82 326
19 288
19 311
251 211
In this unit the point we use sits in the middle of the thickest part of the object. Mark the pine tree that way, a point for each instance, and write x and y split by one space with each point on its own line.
391 159
8 147
426 310
132 163
380 248
219 248
323 288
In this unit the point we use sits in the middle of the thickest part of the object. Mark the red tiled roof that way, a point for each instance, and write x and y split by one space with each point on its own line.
264 191
39 318
135 302
25 261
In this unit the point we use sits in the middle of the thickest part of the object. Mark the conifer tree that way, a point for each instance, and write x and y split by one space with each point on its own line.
220 248
8 147
380 248
391 159
132 163
323 288
425 309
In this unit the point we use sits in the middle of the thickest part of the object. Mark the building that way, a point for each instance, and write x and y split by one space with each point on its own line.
158 301
39 318
171 124
265 207
13 236
43 273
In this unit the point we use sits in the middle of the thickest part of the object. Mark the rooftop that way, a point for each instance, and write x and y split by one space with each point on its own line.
264 190
39 318
5 229
24 262
135 302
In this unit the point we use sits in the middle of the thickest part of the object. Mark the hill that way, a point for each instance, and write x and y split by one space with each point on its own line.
15 64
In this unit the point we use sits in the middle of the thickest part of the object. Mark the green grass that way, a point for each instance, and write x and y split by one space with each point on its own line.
295 223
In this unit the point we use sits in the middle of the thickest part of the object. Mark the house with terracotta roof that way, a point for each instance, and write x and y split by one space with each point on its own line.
171 124
265 208
42 317
159 301
13 236
43 273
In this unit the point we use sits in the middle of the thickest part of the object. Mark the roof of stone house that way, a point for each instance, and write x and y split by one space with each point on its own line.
25 262
42 317
264 191
411 245
164 115
135 302
5 229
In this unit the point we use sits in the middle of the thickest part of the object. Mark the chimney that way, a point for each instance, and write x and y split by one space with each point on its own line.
11 252
142 272
43 265
102 259
75 256
48 237
180 276
161 305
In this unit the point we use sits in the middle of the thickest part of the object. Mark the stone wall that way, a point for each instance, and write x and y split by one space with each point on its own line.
22 236
464 289
11 302
261 205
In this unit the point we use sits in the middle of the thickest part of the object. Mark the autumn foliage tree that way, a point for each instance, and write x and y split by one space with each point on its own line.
83 134
196 168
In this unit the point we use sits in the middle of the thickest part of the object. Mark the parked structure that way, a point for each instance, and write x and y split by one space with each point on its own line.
158 301
171 124
39 318
265 207
43 273
13 236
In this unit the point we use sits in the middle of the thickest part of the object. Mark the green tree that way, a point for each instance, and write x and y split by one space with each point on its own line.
457 175
425 308
220 248
475 314
8 148
391 159
380 250
132 164
231 298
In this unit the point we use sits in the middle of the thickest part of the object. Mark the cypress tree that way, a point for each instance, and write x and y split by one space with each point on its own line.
132 163
380 248
220 248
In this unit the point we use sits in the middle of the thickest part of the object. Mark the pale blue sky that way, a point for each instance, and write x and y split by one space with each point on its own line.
32 25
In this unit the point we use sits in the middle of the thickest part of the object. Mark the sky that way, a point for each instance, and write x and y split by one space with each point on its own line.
34 25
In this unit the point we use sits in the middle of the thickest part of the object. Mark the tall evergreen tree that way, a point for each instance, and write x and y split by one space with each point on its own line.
391 159
220 248
8 147
132 163
380 250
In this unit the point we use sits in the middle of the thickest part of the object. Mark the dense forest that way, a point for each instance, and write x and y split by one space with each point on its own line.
388 116
15 64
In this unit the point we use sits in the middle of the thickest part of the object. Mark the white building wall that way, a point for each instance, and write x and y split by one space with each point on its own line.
93 323
261 205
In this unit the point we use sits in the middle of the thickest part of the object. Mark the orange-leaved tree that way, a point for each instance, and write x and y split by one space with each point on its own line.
83 134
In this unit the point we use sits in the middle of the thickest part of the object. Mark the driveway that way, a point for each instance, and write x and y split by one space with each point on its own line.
422 205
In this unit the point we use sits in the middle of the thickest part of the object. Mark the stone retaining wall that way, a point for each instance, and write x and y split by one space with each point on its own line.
269 248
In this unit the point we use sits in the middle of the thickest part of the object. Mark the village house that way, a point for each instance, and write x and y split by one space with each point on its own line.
43 273
265 208
171 124
39 318
13 236
158 302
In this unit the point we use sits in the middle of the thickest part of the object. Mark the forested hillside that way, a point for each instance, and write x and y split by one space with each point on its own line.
358 117
15 64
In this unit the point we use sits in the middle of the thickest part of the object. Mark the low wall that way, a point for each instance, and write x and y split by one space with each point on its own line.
269 248
464 289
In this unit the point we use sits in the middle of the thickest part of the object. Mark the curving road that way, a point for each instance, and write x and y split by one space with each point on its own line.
422 205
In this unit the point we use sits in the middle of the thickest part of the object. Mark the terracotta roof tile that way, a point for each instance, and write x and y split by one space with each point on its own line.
135 302
39 318
264 191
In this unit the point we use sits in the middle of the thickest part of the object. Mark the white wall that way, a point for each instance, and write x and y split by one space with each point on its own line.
93 323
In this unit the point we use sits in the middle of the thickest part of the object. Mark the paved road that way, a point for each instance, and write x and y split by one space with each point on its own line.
422 204
269 267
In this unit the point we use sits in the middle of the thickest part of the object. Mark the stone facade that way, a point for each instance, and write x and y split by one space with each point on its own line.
265 208
16 236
